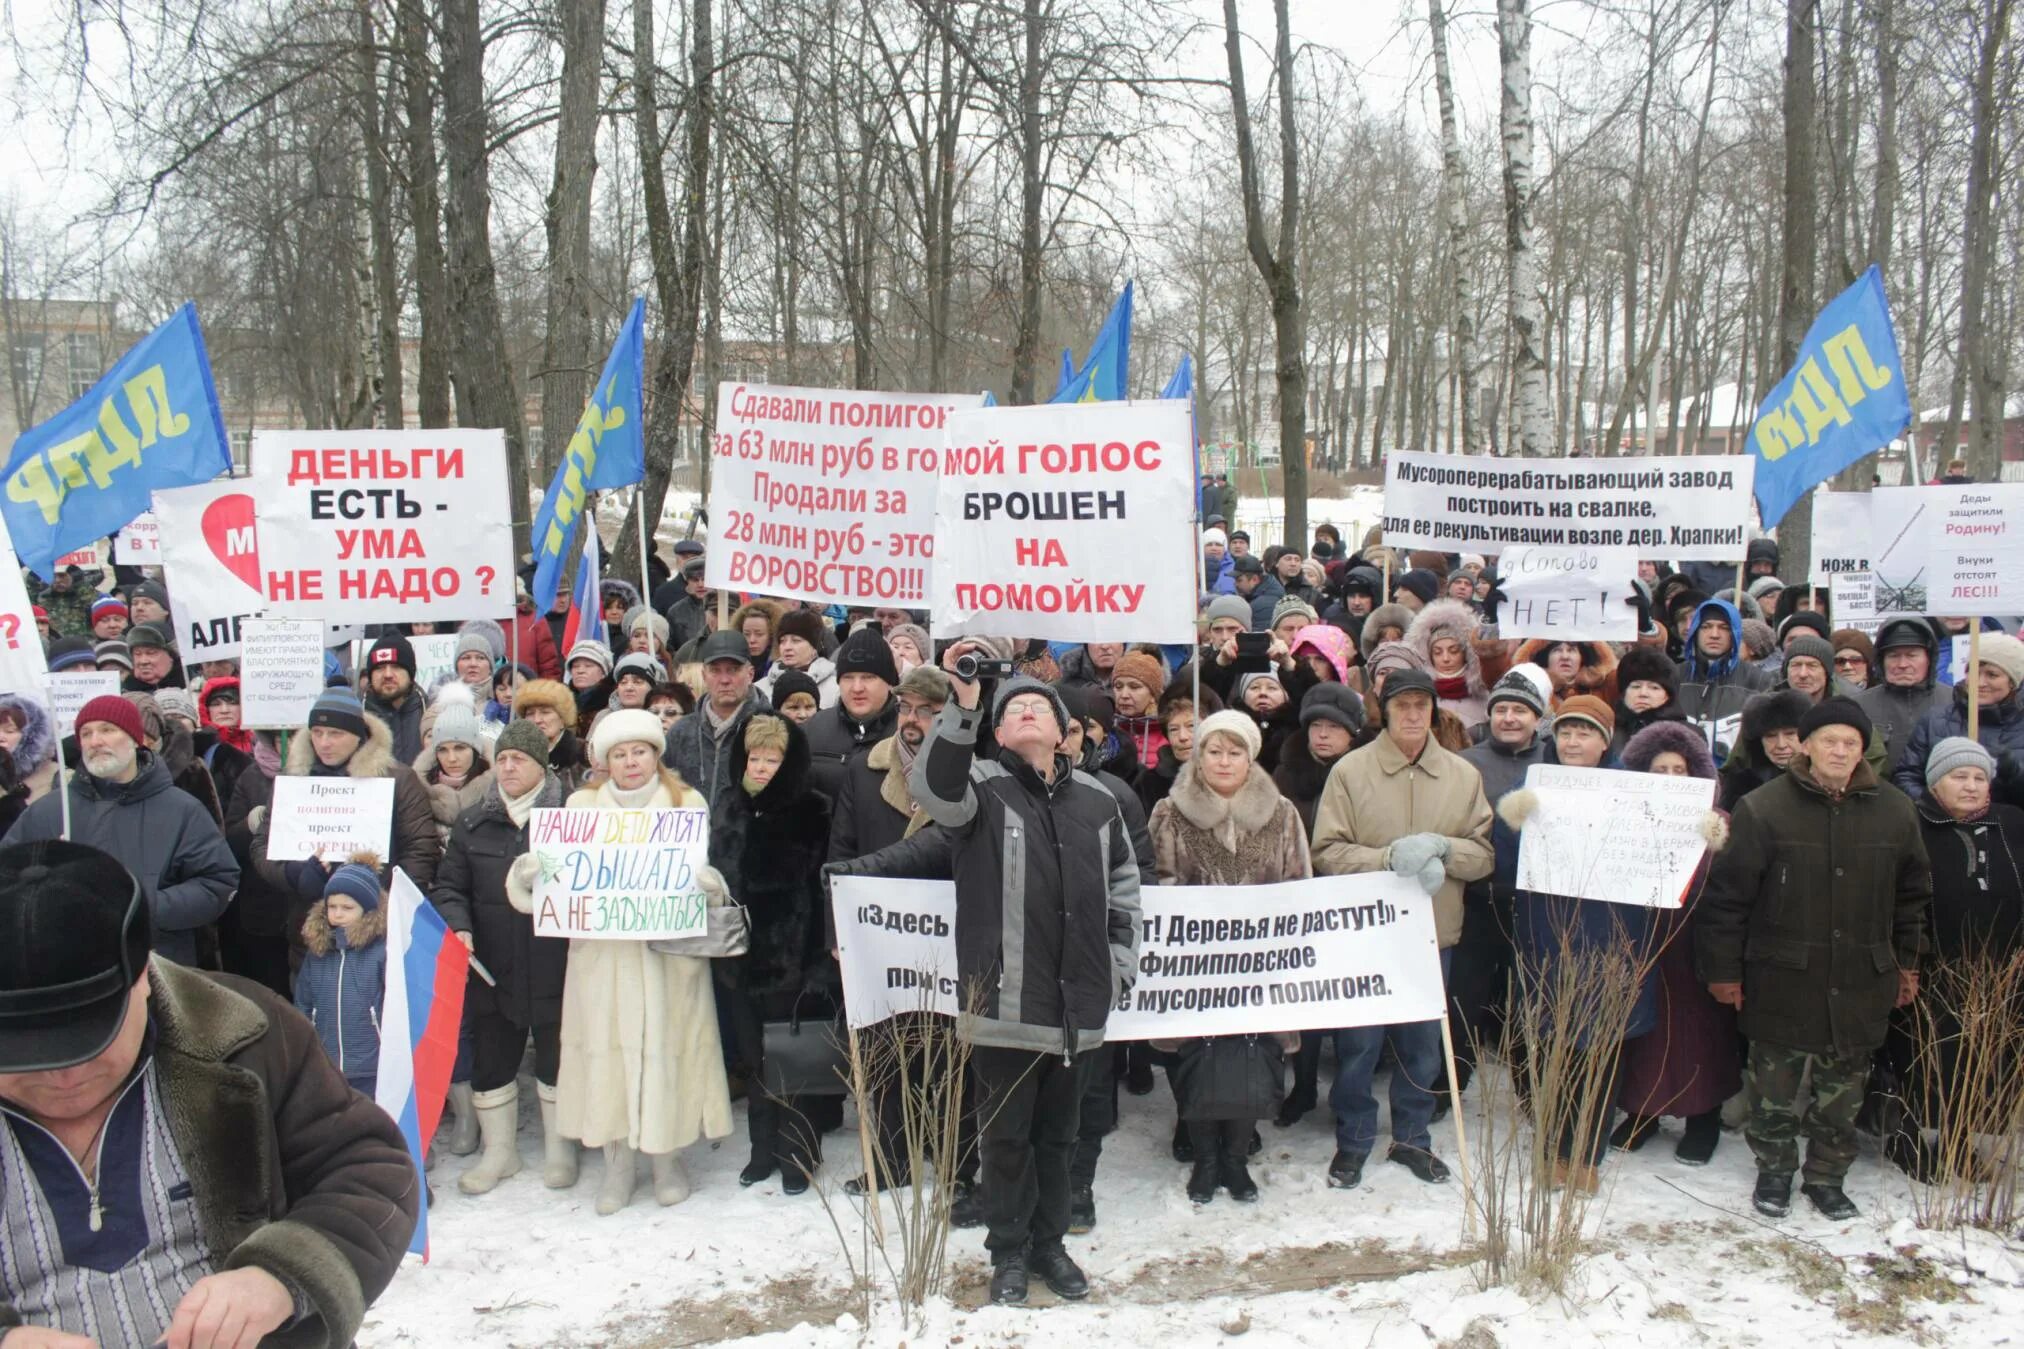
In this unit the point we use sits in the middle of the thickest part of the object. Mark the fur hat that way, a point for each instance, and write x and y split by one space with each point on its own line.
1650 665
1380 618
1670 736
1957 751
547 693
524 737
1393 656
622 726
1589 708
807 625
1836 712
38 736
1234 724
1768 712
1338 703
1147 670
1856 640
865 652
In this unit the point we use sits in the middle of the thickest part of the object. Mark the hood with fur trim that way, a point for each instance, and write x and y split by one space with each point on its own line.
1676 737
1329 643
318 936
1377 620
1598 667
1450 618
38 733
375 753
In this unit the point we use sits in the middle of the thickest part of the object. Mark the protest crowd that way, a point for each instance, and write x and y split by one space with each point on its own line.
1347 709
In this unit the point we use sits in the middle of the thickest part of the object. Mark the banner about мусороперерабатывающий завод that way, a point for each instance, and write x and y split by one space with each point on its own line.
1696 508
1070 521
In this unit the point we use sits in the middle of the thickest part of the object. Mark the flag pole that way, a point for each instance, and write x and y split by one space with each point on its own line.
1974 675
63 783
646 586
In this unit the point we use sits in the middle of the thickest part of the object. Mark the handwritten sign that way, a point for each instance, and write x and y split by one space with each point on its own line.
330 818
280 671
1567 594
620 875
1975 550
1627 838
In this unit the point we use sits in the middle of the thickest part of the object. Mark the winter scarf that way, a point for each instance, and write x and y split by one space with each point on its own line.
519 808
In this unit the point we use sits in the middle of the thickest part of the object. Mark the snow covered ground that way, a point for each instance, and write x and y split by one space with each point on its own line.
1678 1258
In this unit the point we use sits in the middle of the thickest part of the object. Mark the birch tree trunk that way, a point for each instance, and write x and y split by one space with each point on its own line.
1454 188
1798 230
384 369
1977 225
425 216
565 353
1528 320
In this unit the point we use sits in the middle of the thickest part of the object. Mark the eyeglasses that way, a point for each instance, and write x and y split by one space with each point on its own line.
1849 662
917 711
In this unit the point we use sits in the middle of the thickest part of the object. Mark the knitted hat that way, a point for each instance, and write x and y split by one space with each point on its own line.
456 725
1422 583
639 616
112 649
494 635
1338 703
1145 669
865 652
357 882
392 649
1245 681
150 590
1808 646
926 683
107 604
805 624
153 727
1757 638
1957 751
639 665
1229 606
1802 618
339 709
524 737
1393 657
1589 708
1237 725
595 652
176 702
1293 604
474 643
1019 684
1410 679
116 712
1762 586
787 683
623 726
1835 712
149 635
1243 534
72 653
917 634
2006 653
1856 640
1519 687
1215 536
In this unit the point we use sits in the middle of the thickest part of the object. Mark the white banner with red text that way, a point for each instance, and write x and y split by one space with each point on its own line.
384 526
22 667
211 565
1070 521
826 494
1213 959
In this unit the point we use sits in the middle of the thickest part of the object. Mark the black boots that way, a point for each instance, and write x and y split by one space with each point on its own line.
1345 1172
1831 1203
1219 1148
1236 1176
1061 1274
1704 1131
1773 1195
1008 1279
1633 1133
1429 1168
1081 1210
1204 1143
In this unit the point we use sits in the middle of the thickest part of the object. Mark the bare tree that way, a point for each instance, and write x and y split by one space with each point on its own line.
1528 319
566 347
1455 203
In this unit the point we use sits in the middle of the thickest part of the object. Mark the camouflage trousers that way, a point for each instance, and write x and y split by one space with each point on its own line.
1774 1081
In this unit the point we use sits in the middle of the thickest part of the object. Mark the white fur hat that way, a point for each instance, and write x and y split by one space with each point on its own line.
623 724
1232 723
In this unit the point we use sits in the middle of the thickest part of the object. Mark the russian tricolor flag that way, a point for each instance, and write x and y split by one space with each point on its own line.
426 968
586 602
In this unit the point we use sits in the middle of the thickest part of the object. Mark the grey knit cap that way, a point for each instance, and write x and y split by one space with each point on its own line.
1957 751
1019 684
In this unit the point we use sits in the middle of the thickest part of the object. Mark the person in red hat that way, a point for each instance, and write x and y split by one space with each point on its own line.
123 803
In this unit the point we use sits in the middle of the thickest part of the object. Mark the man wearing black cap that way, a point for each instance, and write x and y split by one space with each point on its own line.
689 617
1810 927
864 712
1909 651
699 748
184 1165
1255 588
390 693
1047 930
1401 804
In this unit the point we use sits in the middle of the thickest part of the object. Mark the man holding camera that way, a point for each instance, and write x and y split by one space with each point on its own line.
1047 925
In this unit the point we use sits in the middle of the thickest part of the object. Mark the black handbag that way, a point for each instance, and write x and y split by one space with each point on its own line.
1229 1077
804 1058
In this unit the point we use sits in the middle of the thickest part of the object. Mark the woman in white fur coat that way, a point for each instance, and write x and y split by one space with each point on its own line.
642 1068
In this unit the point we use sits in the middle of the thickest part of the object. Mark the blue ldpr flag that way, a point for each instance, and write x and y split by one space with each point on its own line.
1067 375
1106 375
1844 397
1182 385
150 422
608 449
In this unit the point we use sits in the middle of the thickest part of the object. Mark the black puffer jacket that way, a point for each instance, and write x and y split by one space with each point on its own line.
1814 906
770 849
1894 710
1047 891
470 892
835 738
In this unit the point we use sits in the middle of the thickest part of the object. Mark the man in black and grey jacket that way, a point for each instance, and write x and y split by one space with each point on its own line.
1047 926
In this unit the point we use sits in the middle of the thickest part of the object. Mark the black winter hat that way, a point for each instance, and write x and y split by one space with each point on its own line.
1338 703
790 682
1650 663
1086 702
74 938
152 635
1784 710
1248 565
865 652
1836 712
1422 583
150 590
1364 580
1804 618
391 649
1900 632
1407 680
1762 550
808 626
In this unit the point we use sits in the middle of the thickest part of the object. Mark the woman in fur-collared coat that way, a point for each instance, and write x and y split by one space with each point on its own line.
1225 823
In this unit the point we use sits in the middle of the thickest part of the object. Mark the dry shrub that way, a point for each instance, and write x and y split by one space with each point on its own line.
1966 1087
1561 1042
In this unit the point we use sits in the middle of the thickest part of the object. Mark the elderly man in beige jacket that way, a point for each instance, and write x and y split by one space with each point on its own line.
1403 804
